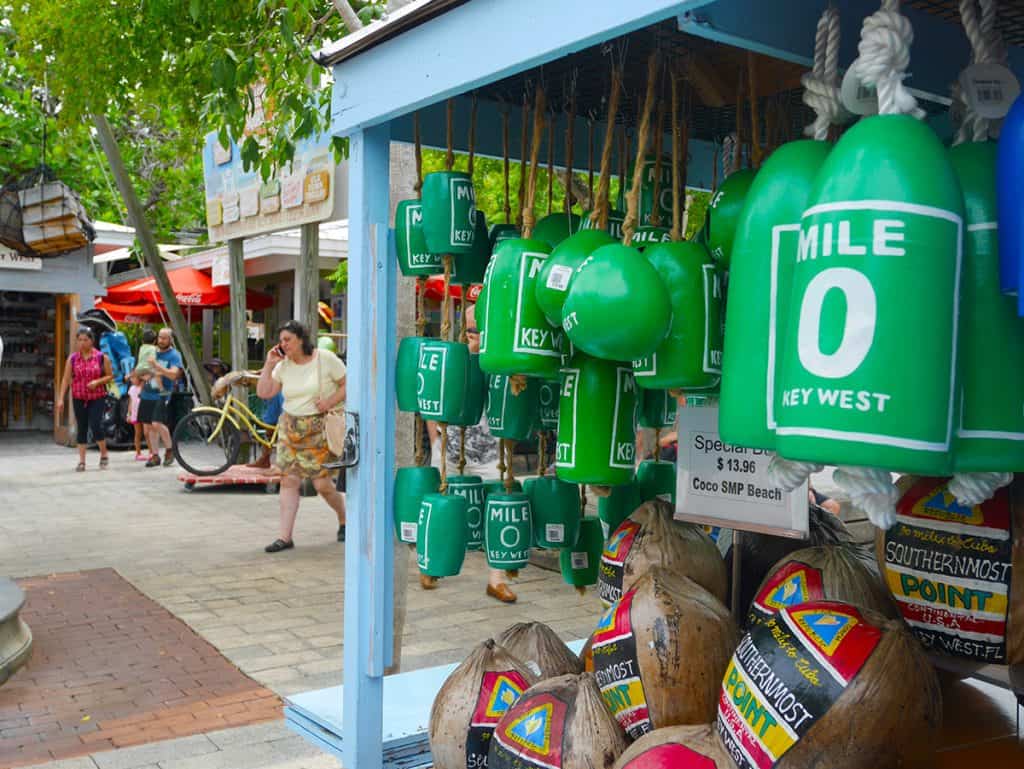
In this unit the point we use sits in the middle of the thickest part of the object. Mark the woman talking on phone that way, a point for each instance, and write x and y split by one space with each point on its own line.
312 382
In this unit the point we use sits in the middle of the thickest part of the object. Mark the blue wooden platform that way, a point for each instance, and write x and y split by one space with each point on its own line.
408 697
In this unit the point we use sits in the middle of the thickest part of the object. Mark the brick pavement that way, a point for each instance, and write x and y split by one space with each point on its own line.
199 555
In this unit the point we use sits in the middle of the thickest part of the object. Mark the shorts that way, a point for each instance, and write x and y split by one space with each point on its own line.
153 410
88 417
273 409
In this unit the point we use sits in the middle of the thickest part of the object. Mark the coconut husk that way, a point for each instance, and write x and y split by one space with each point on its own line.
660 652
828 572
936 555
760 552
471 702
677 747
649 537
540 649
561 723
854 687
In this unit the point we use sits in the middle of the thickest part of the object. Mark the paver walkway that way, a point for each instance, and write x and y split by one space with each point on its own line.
200 556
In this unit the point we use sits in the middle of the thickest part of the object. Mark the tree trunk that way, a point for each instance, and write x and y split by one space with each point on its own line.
154 262
348 15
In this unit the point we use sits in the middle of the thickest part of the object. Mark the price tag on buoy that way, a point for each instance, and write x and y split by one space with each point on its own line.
718 484
989 89
857 98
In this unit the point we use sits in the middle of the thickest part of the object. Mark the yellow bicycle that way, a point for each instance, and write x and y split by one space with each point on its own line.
209 439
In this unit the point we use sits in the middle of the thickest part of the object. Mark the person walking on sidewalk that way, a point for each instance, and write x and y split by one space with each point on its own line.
155 398
313 383
87 372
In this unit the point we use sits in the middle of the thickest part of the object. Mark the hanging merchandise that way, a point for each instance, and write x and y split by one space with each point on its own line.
678 747
410 244
449 204
442 374
499 233
540 649
657 480
471 488
612 224
561 723
826 572
850 395
657 409
441 533
406 371
648 235
1011 190
547 404
580 563
724 213
516 338
617 307
510 414
555 510
474 403
617 506
469 266
955 571
471 702
552 284
504 231
655 191
497 486
649 537
554 228
411 485
664 616
859 657
596 422
508 530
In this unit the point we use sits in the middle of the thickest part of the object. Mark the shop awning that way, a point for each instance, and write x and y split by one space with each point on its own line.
140 312
193 289
435 289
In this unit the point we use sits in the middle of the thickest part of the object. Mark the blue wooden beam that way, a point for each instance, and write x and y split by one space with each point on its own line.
785 29
477 43
372 351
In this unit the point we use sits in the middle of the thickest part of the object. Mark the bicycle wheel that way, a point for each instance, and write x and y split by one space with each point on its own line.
197 452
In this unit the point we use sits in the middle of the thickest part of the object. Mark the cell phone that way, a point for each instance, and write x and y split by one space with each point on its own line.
279 351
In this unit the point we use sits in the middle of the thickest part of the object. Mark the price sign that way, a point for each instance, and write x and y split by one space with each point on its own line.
722 485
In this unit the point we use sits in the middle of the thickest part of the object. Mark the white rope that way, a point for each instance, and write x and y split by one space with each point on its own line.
979 21
821 87
872 491
730 146
788 474
884 49
974 488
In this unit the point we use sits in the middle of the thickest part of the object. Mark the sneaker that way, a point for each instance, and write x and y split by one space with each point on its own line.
140 457
153 461
168 459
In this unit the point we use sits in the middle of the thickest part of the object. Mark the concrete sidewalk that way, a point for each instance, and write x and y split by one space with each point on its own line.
200 555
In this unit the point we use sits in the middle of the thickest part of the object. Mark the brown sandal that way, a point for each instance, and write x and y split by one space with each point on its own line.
80 468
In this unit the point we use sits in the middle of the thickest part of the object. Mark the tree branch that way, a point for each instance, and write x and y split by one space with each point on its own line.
347 15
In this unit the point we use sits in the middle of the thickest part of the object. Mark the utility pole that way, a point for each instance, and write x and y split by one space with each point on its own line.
239 332
307 276
154 262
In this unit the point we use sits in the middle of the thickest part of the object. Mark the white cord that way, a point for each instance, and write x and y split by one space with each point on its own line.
872 491
974 488
979 21
821 89
884 49
788 474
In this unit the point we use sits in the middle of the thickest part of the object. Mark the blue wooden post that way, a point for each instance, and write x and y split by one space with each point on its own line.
371 355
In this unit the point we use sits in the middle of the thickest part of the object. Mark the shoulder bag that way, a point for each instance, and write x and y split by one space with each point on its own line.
334 420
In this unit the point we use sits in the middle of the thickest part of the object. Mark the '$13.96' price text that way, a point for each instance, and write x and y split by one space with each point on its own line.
737 465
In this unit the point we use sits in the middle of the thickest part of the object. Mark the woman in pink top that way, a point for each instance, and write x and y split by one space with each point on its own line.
87 372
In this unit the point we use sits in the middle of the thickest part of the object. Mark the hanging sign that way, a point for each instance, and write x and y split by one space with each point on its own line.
722 485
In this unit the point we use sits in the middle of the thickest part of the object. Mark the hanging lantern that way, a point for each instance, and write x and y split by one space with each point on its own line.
555 511
471 488
886 213
617 307
657 408
992 360
596 422
508 531
441 535
516 338
552 285
411 485
509 415
414 259
449 212
442 376
760 281
406 371
691 355
580 563
657 480
554 228
469 266
724 212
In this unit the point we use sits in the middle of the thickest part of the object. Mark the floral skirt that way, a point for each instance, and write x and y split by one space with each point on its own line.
302 446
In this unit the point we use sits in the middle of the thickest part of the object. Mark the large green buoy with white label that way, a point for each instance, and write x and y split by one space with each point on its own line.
552 285
580 563
511 415
555 510
441 535
471 488
508 530
414 258
411 485
406 368
442 375
449 212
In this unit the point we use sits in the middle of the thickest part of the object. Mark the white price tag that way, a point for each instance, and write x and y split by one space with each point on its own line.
554 532
857 98
558 277
989 89
409 532
580 560
723 485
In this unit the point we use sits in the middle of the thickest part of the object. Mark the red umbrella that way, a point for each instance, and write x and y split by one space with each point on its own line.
435 289
142 312
192 287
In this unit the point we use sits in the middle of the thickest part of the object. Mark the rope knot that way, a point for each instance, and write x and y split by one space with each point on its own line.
822 97
884 49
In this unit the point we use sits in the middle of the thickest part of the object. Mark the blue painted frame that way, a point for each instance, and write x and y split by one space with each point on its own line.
371 384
